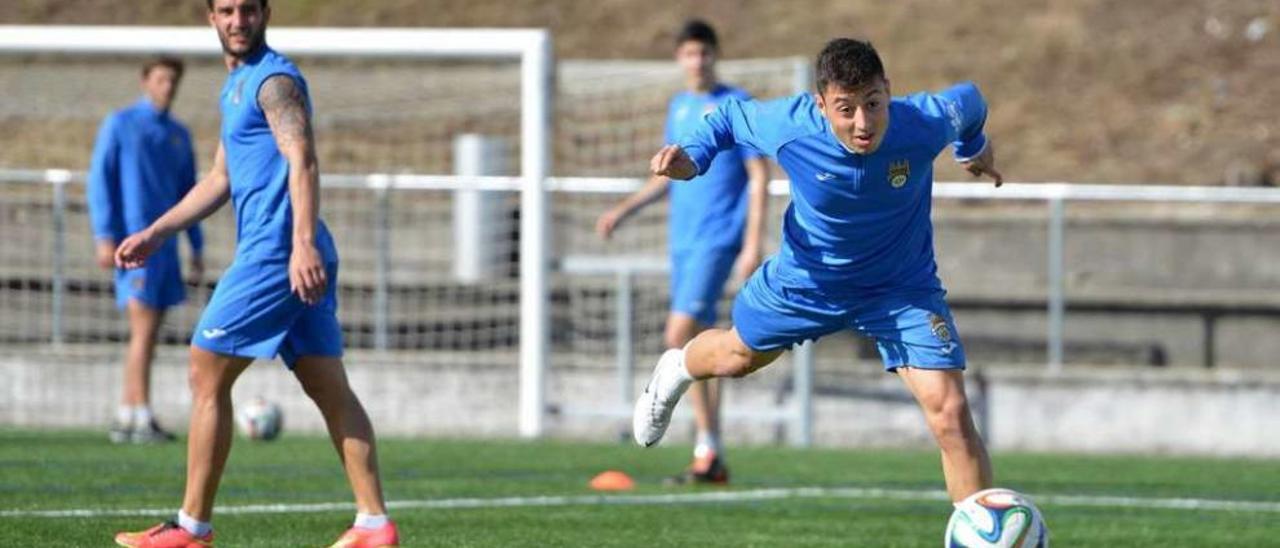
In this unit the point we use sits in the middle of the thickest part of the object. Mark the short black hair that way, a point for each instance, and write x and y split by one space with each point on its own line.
209 3
847 63
697 30
168 61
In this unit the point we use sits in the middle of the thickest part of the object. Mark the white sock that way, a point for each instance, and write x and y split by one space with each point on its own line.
142 416
192 525
707 443
124 415
682 372
370 521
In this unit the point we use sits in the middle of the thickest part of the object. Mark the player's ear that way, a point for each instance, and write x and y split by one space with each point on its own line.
820 101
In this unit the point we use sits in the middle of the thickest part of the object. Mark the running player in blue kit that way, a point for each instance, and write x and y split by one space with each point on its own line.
857 249
278 297
714 222
143 163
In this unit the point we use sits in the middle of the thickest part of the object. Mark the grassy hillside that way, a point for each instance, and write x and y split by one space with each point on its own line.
1082 90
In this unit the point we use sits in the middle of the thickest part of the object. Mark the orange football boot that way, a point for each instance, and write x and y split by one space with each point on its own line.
165 535
381 537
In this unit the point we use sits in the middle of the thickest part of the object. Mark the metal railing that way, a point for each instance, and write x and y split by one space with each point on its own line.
624 269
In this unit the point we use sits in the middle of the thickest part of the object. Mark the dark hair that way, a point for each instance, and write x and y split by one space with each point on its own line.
698 30
848 64
209 3
163 61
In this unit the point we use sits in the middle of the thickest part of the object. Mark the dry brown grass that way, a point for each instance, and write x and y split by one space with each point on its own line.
1082 90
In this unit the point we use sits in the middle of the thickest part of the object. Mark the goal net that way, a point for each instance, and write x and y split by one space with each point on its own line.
427 142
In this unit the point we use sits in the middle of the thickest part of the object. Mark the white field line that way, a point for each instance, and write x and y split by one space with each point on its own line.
1101 501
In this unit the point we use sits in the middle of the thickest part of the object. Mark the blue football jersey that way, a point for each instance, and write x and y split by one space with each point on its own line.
259 173
857 224
142 165
710 211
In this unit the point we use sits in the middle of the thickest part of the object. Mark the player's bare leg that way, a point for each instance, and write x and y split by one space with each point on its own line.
708 463
135 422
721 353
144 327
209 440
941 396
713 353
325 382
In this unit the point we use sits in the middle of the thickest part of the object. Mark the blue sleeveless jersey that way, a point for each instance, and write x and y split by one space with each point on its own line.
259 173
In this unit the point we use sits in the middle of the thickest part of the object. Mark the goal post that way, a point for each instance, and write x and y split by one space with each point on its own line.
530 47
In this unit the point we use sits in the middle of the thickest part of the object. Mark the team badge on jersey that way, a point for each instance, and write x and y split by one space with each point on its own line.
941 331
938 326
899 170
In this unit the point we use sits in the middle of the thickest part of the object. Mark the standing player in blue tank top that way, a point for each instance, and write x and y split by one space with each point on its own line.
714 222
143 163
279 295
857 247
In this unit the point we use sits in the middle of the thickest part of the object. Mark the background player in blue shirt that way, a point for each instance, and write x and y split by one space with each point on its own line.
713 223
142 165
279 296
857 249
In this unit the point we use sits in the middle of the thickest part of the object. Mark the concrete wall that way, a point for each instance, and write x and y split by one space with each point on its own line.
1129 410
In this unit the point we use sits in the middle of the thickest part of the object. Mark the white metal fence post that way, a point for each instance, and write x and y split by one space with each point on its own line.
479 219
382 290
802 388
58 178
1057 282
624 345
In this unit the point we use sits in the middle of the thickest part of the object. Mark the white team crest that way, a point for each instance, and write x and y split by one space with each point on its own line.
825 176
213 333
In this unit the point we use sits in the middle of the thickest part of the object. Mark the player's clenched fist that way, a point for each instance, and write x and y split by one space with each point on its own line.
672 161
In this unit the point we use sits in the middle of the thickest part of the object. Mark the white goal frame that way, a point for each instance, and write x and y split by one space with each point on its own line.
531 47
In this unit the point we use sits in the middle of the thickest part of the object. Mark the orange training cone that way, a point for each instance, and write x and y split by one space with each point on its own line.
612 480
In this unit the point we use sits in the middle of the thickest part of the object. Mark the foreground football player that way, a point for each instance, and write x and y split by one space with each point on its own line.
857 249
278 297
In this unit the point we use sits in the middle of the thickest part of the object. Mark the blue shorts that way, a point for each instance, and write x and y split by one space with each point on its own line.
157 284
697 281
253 314
914 330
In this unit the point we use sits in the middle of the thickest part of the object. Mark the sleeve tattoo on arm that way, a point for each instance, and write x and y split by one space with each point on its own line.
285 107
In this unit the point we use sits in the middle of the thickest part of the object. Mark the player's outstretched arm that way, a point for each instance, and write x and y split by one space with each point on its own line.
285 106
205 197
984 164
653 190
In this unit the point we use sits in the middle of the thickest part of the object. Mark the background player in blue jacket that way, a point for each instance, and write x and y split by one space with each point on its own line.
278 297
714 222
857 249
142 165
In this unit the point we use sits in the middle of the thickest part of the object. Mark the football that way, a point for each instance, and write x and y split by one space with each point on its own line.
996 518
259 419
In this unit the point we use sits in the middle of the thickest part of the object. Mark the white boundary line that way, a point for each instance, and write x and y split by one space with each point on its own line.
857 493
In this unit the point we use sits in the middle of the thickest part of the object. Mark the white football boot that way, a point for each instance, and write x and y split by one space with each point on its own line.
653 409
